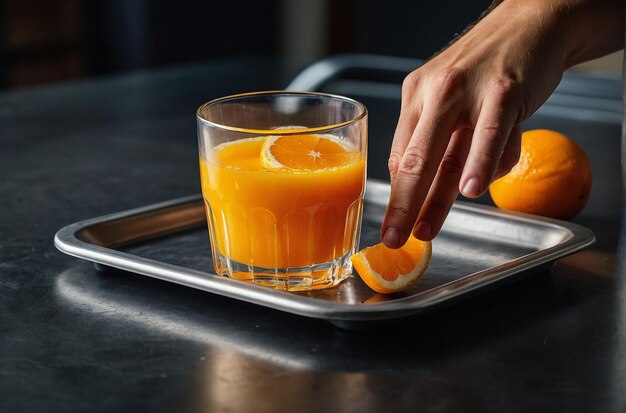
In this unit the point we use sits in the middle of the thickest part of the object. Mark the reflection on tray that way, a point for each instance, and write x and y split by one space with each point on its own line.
232 329
81 287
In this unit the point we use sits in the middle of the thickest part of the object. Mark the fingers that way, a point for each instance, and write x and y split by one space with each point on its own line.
429 164
419 163
407 121
511 153
493 128
445 187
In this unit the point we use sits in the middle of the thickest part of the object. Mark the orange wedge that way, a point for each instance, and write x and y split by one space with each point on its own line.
307 152
387 270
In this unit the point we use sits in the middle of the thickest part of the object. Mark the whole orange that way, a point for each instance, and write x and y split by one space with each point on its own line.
552 177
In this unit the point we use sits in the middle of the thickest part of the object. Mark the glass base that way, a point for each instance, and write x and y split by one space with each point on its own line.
313 277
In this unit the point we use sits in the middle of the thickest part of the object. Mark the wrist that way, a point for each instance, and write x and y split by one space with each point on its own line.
574 30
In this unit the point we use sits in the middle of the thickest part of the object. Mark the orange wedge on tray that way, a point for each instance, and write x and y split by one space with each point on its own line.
387 270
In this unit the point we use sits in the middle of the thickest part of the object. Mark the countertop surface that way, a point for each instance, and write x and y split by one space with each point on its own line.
74 339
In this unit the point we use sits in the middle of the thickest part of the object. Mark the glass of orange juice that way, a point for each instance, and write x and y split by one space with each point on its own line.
283 178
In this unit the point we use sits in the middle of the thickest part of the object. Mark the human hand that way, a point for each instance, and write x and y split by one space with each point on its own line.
460 121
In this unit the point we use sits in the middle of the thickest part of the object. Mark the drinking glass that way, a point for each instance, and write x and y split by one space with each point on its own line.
283 178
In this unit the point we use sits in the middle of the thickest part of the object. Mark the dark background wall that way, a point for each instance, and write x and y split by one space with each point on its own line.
411 28
45 41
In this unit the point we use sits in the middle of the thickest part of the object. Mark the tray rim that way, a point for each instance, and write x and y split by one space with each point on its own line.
67 241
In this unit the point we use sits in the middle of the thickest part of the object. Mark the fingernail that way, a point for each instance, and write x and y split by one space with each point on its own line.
391 238
422 231
472 188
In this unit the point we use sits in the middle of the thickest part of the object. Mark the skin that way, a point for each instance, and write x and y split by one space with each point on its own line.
460 121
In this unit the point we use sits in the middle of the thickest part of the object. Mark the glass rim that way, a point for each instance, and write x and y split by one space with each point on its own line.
316 129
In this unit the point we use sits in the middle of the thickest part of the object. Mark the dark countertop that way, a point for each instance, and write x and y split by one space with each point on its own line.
72 339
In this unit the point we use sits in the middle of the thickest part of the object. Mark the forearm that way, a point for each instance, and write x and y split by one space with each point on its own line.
581 29
597 26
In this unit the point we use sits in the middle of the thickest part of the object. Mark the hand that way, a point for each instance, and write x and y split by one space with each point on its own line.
460 121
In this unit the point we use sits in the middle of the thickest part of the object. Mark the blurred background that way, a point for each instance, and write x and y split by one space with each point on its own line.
47 41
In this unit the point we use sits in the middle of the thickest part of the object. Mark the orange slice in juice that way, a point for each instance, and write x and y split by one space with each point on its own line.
387 270
307 152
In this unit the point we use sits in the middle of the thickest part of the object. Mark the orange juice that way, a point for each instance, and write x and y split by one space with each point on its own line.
278 218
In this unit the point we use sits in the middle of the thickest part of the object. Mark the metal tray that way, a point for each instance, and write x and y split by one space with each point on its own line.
478 247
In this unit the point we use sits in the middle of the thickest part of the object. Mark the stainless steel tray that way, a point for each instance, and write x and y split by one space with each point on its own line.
478 247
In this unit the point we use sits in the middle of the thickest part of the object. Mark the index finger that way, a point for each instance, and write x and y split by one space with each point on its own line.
407 121
416 171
